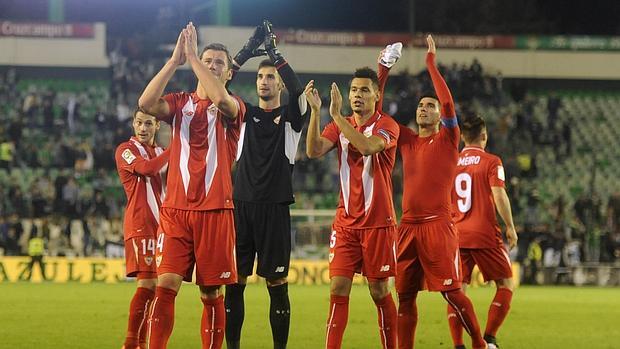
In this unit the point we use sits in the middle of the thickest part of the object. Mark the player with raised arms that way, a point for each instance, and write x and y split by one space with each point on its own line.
428 253
197 220
364 229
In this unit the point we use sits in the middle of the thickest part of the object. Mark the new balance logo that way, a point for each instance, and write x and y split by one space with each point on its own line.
225 275
279 269
447 282
385 268
255 119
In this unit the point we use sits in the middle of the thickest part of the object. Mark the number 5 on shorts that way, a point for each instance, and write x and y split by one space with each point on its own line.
332 239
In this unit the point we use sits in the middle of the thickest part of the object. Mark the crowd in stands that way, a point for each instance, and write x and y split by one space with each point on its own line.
58 178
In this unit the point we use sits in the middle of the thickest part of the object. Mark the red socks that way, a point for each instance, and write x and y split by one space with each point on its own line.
161 319
386 312
337 321
498 310
497 314
407 320
456 328
213 323
465 311
138 316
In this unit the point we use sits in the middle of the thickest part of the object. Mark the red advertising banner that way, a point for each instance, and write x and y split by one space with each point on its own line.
468 41
316 37
328 38
46 30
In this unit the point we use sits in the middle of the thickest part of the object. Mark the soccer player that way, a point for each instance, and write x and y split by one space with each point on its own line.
197 220
364 229
478 193
263 189
428 253
141 164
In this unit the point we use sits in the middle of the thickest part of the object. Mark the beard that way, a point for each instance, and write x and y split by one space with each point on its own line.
267 98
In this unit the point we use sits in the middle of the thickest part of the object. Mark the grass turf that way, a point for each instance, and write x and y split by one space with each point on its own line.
94 316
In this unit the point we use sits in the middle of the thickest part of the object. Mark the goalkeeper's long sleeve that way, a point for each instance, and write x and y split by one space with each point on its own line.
297 105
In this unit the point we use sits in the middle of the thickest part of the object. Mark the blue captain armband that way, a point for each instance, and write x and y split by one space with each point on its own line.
450 122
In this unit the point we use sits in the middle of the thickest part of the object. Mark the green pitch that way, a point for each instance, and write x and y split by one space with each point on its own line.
94 316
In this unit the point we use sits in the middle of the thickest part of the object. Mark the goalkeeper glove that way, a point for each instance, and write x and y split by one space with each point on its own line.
270 44
250 49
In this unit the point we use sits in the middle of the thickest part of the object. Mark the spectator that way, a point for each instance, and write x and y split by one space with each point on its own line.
7 150
36 250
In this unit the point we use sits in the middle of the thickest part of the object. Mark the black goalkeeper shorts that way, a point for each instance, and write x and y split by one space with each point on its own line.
263 230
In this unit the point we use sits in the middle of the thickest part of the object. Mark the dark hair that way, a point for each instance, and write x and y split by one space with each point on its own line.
219 47
429 94
471 128
135 113
366 73
266 63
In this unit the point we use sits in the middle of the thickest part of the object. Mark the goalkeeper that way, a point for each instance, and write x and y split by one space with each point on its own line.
263 185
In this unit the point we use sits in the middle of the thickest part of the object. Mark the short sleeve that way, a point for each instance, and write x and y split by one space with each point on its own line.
331 132
388 130
241 110
497 176
174 101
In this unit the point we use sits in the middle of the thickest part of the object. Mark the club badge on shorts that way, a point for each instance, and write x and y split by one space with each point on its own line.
158 260
148 260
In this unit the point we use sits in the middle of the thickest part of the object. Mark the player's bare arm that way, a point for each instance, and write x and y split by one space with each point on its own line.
316 145
366 145
150 101
502 204
214 88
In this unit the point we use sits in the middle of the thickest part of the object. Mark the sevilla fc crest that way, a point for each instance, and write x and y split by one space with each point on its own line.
148 260
331 256
277 120
158 260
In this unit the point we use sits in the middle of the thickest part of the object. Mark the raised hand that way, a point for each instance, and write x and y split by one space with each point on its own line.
431 44
390 54
312 95
335 105
178 55
270 44
250 49
191 41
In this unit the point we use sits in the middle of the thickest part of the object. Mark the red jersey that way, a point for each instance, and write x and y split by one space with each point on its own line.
365 181
472 198
202 151
429 164
141 169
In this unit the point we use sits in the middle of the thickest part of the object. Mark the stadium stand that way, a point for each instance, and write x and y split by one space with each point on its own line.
58 136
